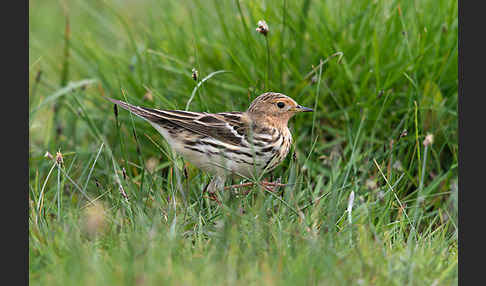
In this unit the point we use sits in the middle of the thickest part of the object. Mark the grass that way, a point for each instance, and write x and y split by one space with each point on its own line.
123 209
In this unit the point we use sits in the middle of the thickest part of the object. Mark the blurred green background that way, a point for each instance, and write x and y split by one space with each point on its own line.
123 209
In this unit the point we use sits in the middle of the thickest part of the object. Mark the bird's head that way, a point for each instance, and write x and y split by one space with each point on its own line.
276 107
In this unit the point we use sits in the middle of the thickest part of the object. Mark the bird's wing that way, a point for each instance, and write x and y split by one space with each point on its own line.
228 127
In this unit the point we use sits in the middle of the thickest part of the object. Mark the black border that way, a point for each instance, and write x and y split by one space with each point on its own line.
471 160
15 136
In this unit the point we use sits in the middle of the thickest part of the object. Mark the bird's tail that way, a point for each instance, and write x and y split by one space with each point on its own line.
143 112
165 119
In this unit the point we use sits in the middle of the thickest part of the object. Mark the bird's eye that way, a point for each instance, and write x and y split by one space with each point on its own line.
280 105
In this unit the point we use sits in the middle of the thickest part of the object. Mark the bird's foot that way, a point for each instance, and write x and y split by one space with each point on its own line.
210 189
269 186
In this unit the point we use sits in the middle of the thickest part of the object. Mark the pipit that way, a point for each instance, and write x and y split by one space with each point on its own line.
244 144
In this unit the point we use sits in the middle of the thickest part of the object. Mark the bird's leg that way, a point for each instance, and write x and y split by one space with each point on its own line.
245 192
251 184
238 186
216 184
270 186
273 186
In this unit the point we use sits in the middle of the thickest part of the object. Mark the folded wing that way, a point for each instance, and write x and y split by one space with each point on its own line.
228 127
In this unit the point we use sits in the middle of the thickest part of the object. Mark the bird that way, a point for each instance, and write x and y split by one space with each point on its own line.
227 144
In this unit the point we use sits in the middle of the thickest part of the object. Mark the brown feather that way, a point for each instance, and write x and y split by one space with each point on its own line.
216 127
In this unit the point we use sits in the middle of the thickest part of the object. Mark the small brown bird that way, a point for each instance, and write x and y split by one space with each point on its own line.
229 143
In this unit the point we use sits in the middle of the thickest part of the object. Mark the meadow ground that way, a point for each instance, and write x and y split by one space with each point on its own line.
122 209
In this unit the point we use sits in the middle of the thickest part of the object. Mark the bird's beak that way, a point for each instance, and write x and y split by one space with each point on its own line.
301 108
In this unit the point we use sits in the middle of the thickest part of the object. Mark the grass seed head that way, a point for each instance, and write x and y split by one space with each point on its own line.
59 158
98 185
122 192
404 133
429 140
48 155
124 172
262 27
194 74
